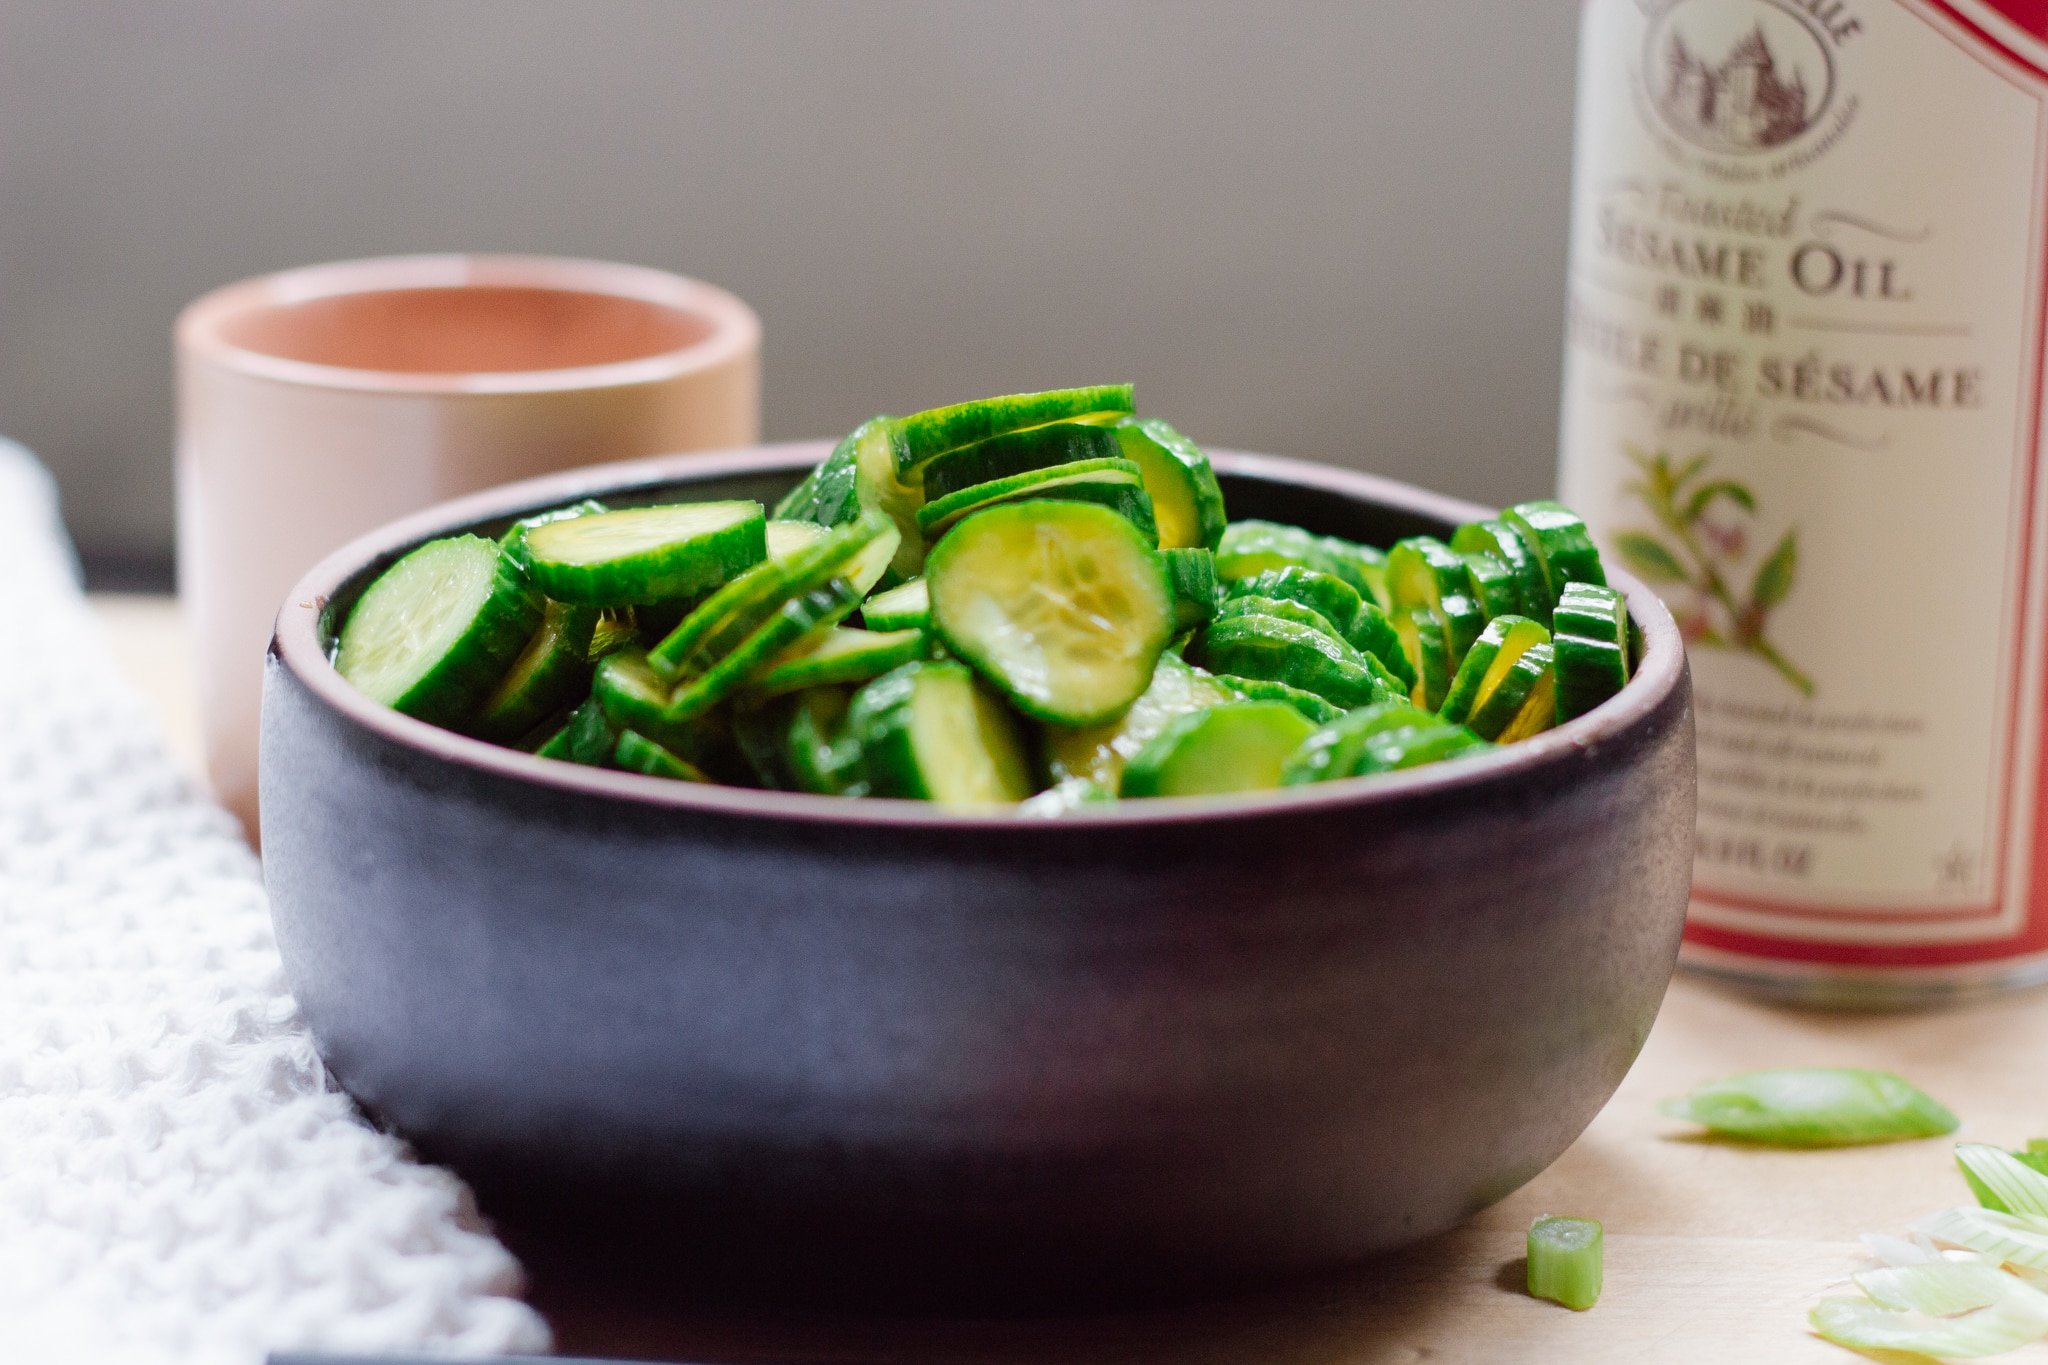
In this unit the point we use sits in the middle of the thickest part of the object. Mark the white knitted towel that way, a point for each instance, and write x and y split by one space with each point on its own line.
179 1179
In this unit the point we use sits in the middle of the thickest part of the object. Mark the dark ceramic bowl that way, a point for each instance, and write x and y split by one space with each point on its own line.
1168 1043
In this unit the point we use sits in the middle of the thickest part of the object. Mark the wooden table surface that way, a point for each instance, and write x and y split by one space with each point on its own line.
1714 1252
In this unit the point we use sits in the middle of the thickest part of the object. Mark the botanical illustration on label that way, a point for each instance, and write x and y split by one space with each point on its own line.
1802 400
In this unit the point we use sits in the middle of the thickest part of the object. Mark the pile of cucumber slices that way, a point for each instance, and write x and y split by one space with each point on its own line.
1052 610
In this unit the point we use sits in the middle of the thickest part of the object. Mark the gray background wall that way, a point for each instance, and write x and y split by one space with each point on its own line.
1326 229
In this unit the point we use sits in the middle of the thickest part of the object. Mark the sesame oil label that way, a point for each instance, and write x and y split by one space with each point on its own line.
1803 400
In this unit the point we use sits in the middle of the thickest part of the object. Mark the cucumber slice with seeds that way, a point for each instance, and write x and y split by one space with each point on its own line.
1019 452
1560 543
1187 502
1098 753
646 554
1427 644
1063 606
929 434
839 655
930 732
1113 483
1504 543
1486 665
1196 592
552 672
1423 572
637 753
1592 647
1237 747
1319 711
1524 702
437 630
1300 656
907 606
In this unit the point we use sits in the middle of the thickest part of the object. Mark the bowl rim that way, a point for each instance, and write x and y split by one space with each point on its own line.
296 646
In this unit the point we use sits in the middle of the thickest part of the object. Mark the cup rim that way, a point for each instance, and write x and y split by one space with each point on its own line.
734 327
296 646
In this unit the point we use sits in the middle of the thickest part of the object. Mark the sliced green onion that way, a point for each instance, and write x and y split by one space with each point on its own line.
2007 1237
1957 1311
1565 1260
1814 1107
1940 1288
1990 1172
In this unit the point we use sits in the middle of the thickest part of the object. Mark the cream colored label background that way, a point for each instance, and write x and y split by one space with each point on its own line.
1909 524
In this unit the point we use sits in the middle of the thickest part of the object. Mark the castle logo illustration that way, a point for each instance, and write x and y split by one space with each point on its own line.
1736 78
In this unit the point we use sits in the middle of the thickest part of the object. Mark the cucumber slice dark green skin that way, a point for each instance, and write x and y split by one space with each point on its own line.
1505 543
1362 566
1423 572
1252 547
1298 612
552 672
1300 656
1403 749
838 655
1329 596
1065 607
924 436
1494 585
1332 750
1196 593
638 754
1098 753
815 610
589 738
930 732
829 494
1592 647
1019 452
822 757
907 606
1265 689
733 613
513 542
1372 633
1487 663
1237 747
760 729
1427 645
1525 701
636 697
438 629
1113 483
1560 543
646 554
1186 499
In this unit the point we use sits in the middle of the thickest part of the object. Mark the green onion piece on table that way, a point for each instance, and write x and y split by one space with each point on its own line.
1813 1107
1950 1309
2009 1182
1565 1257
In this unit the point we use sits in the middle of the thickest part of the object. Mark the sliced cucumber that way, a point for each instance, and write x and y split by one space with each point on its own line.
1196 592
552 672
1186 499
1300 656
1402 749
795 619
1524 702
637 753
1064 606
760 731
907 606
930 732
1113 483
1326 594
1505 543
786 537
437 630
824 760
1241 746
1265 689
1333 751
1494 585
838 655
1019 452
829 494
1427 644
1560 543
588 738
614 630
513 542
646 554
635 696
1299 613
1488 662
1423 572
1372 632
1252 547
1098 753
733 613
1362 566
871 448
1592 647
929 434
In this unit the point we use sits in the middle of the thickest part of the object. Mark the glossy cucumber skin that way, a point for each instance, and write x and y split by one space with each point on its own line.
1235 747
1591 628
551 672
1288 652
1424 573
907 606
448 692
1187 500
588 738
1018 452
658 573
793 620
1528 682
882 722
1560 543
1315 708
1196 593
1502 541
1333 749
829 494
1515 633
1426 643
925 435
1113 483
1494 585
1097 753
1329 596
639 754
1251 547
1279 609
849 661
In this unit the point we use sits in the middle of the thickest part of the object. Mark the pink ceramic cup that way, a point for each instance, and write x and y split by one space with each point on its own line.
316 404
